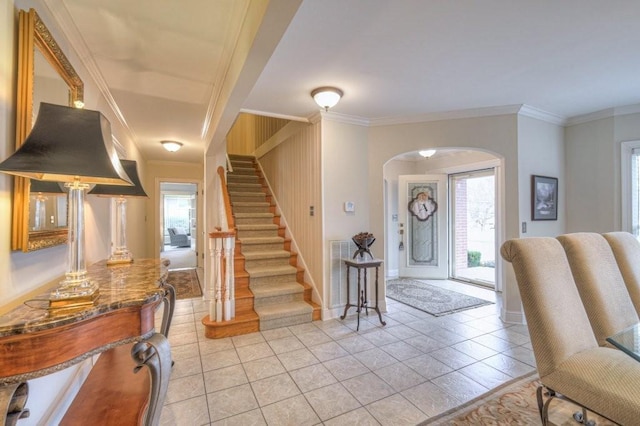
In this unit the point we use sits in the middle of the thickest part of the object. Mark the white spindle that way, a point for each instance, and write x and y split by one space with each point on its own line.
218 278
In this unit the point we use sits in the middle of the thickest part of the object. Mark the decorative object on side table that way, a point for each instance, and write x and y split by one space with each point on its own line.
73 146
363 240
121 253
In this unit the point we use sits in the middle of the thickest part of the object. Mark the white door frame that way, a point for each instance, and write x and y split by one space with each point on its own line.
158 210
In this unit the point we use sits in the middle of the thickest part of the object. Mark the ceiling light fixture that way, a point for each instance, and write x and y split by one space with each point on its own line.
326 97
171 146
427 153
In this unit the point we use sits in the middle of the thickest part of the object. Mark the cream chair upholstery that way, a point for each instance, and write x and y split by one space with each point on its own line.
626 250
600 284
570 363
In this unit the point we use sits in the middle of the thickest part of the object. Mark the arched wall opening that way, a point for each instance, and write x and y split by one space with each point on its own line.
457 164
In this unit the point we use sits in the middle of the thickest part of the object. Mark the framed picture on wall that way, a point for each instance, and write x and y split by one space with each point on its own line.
544 198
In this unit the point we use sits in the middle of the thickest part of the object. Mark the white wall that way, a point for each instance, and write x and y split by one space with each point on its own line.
541 152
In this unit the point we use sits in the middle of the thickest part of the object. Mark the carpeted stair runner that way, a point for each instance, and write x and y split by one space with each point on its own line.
279 298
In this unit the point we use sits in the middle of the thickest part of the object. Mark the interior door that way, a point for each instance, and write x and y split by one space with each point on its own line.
423 217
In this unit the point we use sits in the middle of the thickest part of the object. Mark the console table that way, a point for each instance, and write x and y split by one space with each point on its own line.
361 296
36 341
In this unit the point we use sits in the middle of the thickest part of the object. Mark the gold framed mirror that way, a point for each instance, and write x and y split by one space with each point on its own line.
44 74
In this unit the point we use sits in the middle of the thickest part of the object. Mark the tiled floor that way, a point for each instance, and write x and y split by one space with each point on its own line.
325 372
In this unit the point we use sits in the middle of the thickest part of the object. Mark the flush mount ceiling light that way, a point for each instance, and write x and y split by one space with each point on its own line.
171 146
326 97
427 153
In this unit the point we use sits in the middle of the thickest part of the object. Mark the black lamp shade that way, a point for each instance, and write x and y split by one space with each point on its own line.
130 167
46 187
66 145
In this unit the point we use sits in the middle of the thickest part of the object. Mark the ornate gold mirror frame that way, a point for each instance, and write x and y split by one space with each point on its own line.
33 34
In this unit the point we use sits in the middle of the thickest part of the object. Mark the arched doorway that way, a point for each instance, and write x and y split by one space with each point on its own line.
467 187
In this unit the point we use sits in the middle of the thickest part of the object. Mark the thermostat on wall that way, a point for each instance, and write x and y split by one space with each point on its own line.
349 207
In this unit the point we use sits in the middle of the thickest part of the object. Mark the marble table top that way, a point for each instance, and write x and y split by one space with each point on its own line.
121 285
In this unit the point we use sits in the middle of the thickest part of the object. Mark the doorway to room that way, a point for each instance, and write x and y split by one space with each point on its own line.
178 219
472 197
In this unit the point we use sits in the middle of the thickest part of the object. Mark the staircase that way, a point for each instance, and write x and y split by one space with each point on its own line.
281 297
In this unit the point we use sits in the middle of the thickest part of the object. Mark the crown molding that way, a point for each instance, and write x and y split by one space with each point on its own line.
62 17
338 118
605 113
538 114
272 115
448 115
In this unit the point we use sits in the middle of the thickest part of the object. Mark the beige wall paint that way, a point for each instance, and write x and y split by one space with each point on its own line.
591 175
293 169
391 171
593 170
496 134
345 173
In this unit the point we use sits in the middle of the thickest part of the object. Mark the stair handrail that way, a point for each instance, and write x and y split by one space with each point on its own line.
226 199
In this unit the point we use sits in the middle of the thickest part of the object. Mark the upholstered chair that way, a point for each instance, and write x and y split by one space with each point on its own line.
600 284
626 250
570 363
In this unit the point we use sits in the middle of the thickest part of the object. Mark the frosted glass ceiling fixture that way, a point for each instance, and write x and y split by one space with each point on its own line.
171 146
427 153
326 97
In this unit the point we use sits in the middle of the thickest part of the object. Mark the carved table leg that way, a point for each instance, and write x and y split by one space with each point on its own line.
169 305
13 399
155 353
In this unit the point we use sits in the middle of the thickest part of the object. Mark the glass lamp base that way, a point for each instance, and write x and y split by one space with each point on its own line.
74 293
120 256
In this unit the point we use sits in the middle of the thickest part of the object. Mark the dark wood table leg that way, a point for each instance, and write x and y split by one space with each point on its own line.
359 305
378 309
346 307
365 298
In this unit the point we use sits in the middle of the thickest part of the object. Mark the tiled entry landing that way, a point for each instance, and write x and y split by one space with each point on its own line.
326 373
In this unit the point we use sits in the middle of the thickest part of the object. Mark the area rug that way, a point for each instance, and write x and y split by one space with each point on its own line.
431 299
513 403
186 283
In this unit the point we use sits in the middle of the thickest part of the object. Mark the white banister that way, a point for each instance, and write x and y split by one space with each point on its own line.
220 292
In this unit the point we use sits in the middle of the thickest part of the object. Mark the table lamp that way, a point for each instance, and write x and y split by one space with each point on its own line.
72 146
120 253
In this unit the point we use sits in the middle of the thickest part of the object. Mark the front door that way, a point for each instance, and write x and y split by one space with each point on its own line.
423 218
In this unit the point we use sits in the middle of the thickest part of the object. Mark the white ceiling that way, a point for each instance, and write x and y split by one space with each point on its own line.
395 60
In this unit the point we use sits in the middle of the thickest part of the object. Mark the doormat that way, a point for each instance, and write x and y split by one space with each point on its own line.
431 299
186 283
